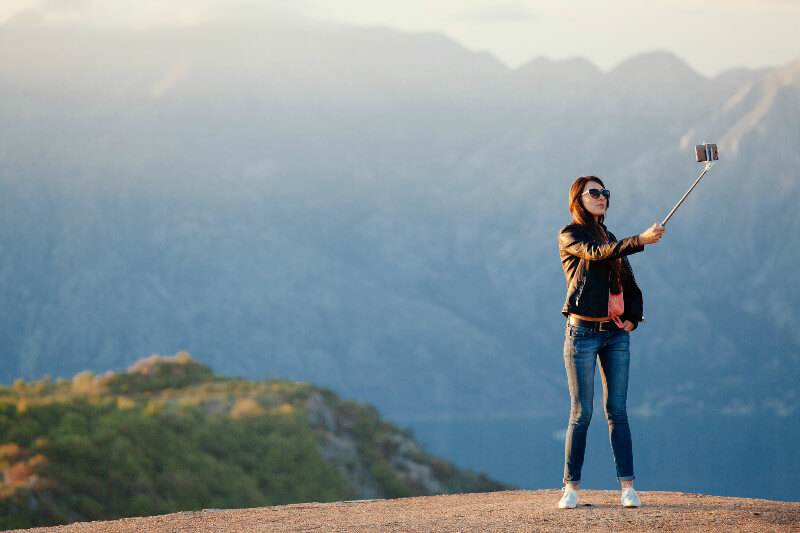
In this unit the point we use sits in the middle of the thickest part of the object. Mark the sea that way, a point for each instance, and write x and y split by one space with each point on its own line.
729 455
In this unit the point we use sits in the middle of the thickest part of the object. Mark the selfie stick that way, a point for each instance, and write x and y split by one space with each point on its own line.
705 152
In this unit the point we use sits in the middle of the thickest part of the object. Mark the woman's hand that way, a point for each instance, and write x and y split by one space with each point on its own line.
652 234
628 326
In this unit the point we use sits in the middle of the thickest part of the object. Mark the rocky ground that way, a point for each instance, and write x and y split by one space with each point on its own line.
510 511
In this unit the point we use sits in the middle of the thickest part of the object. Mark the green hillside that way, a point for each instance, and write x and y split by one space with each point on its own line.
168 435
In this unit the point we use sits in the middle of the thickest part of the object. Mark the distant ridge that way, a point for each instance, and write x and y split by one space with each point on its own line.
511 511
654 65
544 66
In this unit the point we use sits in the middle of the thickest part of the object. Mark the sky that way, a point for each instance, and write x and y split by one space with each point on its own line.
711 36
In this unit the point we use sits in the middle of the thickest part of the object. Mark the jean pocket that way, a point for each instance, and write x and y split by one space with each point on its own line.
579 332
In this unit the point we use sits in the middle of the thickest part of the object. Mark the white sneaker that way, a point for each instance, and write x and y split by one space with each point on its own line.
569 500
629 498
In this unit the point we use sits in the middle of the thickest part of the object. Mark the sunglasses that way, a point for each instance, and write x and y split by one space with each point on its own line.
595 193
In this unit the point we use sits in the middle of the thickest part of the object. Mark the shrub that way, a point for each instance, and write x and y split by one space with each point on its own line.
246 408
123 402
154 407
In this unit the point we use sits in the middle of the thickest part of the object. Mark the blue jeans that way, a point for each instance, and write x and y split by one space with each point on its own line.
582 348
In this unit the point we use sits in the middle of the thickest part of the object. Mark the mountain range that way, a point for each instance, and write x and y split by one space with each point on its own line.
377 212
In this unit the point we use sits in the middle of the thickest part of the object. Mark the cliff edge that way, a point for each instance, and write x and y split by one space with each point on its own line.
509 511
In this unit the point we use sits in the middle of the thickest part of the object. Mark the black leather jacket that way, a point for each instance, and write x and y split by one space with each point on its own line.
587 269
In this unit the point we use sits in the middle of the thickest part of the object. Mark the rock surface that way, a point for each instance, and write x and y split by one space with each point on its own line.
510 511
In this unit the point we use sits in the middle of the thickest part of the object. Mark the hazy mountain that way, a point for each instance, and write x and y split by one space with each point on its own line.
377 212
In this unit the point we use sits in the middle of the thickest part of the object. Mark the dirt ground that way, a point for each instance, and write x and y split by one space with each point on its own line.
510 511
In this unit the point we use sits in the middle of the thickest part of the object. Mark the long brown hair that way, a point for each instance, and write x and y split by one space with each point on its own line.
579 213
593 225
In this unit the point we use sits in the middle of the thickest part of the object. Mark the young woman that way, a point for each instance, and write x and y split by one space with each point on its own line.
602 307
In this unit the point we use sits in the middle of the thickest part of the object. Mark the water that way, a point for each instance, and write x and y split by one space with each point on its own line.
745 456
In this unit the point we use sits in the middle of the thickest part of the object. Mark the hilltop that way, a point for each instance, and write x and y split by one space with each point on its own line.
168 435
511 511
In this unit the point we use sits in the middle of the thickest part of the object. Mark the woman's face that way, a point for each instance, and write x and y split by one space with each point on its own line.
596 207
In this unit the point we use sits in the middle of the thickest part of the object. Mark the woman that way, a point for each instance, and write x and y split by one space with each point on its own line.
603 306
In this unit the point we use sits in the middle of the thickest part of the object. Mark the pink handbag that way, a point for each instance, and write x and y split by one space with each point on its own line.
616 306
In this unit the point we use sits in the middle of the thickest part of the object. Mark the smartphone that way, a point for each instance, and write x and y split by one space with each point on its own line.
706 152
